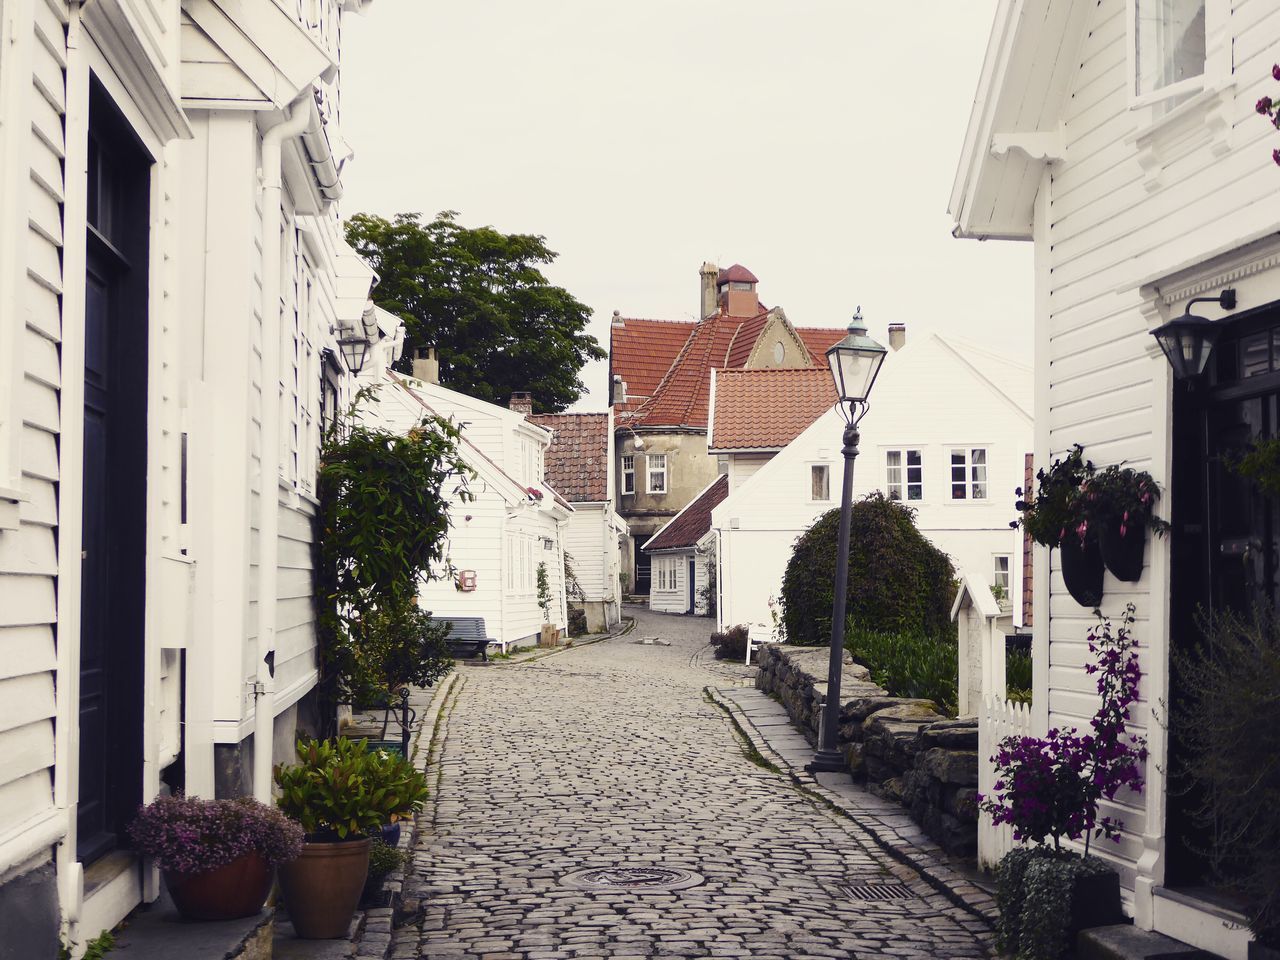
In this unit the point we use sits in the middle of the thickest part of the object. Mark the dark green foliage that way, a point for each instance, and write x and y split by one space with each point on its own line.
1229 749
1017 675
384 859
1033 892
478 296
544 592
909 665
382 529
730 645
899 582
577 621
1054 507
1261 464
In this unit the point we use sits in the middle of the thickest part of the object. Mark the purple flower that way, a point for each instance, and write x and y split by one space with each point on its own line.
1263 106
1275 71
190 835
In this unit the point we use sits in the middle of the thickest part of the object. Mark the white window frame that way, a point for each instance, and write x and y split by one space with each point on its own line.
1006 574
1143 98
666 571
628 473
826 468
904 483
651 471
971 480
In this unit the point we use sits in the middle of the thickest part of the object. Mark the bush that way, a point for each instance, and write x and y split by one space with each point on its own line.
909 665
1033 891
730 645
190 835
394 644
577 621
384 859
1017 675
899 582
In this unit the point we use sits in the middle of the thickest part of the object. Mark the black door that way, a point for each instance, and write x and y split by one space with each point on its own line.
693 594
643 567
1226 532
112 592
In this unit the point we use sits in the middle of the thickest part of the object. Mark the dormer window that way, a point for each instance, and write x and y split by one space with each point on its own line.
1168 48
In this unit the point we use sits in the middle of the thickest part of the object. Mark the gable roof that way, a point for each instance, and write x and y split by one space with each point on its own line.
766 408
577 462
692 523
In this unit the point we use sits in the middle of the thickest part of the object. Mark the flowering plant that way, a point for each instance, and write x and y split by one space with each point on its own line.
1055 508
1122 495
1271 109
1050 787
190 835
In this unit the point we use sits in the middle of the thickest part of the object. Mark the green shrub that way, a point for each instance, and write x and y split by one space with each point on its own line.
1033 891
1017 675
577 621
730 645
899 582
908 664
384 859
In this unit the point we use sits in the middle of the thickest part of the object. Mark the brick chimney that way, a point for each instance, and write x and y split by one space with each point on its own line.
897 336
522 402
737 291
426 365
707 287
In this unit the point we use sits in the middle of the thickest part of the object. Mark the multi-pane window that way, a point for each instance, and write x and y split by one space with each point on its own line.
1000 573
665 573
657 464
629 474
969 473
819 482
1169 44
904 474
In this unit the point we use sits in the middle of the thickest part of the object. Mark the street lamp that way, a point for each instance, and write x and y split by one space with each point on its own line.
854 361
354 350
1188 340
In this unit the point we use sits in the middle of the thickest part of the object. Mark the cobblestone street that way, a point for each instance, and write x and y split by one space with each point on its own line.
610 755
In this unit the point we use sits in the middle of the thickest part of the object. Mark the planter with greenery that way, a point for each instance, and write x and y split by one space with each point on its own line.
1050 789
1228 750
1053 517
217 856
342 793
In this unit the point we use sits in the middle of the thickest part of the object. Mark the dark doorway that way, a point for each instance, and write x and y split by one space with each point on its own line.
643 566
693 589
1226 532
113 547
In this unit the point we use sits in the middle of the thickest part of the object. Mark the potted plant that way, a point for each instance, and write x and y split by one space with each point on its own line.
342 793
1119 503
1054 517
217 856
1049 789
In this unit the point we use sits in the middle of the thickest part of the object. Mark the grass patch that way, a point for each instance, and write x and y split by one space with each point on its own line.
745 743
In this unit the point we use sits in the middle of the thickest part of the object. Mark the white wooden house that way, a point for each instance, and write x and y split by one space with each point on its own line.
955 455
682 554
516 523
579 465
1120 138
161 368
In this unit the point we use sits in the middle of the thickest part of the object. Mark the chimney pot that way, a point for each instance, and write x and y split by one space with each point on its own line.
522 402
897 336
426 365
617 319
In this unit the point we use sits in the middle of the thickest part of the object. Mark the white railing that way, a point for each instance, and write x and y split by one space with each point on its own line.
997 719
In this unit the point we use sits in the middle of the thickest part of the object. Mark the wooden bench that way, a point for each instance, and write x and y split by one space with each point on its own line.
758 634
468 639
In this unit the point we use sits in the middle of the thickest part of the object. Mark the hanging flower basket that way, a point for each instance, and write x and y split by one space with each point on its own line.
1123 550
1082 569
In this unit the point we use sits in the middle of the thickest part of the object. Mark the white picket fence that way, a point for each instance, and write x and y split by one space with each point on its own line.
997 719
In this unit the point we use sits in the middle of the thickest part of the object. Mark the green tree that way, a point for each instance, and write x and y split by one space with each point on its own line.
478 296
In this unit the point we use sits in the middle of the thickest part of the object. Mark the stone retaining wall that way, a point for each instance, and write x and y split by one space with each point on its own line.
902 749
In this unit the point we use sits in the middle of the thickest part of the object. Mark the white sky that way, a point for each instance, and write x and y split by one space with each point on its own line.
814 141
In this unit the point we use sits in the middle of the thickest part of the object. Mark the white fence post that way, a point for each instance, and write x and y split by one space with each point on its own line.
997 719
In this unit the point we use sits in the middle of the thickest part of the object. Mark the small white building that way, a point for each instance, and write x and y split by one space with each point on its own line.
955 455
1120 137
515 524
683 555
579 466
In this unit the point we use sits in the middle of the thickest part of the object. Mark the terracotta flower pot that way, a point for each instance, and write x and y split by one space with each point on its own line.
233 890
1082 570
322 887
1123 554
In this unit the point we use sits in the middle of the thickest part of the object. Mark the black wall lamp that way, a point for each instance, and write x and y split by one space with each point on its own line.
1188 340
354 351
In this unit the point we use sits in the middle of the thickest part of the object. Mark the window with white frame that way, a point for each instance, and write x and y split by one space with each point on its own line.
969 473
1000 572
1168 46
657 469
629 474
665 573
904 474
819 482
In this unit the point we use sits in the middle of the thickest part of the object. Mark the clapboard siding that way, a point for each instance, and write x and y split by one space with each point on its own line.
587 543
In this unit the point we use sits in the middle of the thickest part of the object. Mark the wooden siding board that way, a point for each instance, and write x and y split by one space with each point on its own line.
22 798
27 650
28 700
31 549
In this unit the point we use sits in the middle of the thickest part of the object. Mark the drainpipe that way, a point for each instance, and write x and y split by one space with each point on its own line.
264 686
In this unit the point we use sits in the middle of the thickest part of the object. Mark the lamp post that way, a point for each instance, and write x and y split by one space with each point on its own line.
854 361
1188 340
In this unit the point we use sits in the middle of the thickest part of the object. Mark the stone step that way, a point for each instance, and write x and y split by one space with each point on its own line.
1126 942
156 932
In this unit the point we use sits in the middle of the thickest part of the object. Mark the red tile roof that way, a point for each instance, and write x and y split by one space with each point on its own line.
577 462
642 351
736 273
744 340
819 340
768 408
693 522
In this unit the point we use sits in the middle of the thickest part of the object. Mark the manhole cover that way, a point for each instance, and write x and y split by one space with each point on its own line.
877 891
633 878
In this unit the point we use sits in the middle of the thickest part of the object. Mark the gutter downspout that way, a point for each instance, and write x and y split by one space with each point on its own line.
264 687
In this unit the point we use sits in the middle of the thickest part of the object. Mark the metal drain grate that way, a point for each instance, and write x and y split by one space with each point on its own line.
868 892
635 879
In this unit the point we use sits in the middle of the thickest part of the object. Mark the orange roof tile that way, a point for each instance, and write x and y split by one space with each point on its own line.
818 340
693 522
744 340
642 351
577 462
768 408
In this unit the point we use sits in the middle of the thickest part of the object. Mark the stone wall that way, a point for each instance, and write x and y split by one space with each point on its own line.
903 750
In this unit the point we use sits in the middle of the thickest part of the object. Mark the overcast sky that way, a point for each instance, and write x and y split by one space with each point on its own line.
814 141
